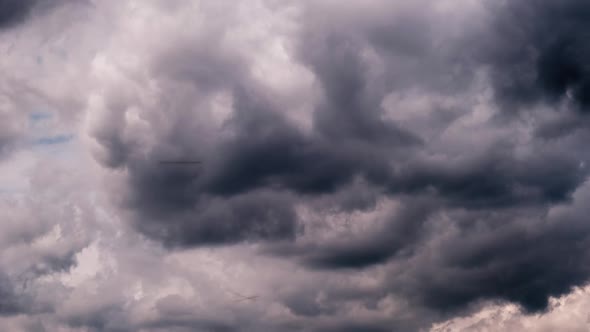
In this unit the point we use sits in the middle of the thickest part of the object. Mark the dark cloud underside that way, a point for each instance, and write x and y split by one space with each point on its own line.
473 131
538 50
14 11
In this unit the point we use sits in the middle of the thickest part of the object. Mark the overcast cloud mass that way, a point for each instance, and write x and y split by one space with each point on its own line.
375 165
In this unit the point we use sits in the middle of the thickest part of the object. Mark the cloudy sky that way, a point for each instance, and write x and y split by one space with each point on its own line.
366 166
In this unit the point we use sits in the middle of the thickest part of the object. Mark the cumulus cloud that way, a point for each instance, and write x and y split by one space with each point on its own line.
291 166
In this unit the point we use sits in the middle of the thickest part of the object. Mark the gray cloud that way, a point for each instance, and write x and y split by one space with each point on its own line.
262 149
370 166
14 11
536 52
517 261
11 303
258 166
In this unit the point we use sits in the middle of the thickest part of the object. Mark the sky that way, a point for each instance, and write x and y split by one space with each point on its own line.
365 166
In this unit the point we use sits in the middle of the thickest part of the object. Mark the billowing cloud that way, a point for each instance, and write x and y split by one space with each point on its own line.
292 166
454 165
537 50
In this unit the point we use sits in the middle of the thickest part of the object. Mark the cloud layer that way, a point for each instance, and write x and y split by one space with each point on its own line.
368 166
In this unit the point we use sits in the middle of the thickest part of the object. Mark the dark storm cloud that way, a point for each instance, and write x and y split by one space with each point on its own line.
521 261
10 302
351 138
211 221
225 200
538 51
399 233
475 221
510 253
14 11
264 153
496 178
517 255
522 258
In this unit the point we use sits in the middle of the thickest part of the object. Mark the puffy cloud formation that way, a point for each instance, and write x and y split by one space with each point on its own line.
262 165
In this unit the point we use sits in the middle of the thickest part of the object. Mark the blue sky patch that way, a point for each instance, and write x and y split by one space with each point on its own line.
53 140
36 117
